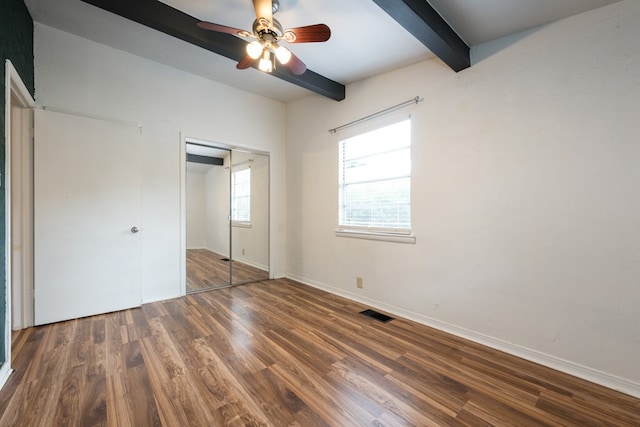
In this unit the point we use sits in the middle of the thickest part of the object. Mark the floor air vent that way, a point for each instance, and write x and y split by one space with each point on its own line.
378 316
225 259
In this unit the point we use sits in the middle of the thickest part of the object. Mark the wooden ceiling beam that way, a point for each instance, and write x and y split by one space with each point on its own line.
164 18
425 24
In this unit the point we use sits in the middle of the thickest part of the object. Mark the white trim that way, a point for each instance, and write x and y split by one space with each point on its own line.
20 150
183 214
372 125
13 85
13 80
241 224
593 375
371 235
5 372
414 100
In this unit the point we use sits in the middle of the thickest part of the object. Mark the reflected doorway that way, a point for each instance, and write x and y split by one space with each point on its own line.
227 216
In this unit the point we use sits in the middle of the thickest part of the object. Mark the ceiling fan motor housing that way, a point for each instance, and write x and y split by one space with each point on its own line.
262 27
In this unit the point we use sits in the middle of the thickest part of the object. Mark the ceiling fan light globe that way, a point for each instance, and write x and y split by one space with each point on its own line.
283 54
265 65
254 49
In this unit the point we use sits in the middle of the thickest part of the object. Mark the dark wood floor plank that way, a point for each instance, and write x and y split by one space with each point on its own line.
237 399
563 407
29 344
119 412
169 411
313 391
44 385
280 353
68 407
277 401
494 412
233 345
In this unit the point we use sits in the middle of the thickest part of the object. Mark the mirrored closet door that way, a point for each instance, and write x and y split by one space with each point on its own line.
227 216
249 217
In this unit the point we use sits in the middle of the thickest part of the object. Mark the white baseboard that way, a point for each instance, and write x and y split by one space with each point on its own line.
252 264
239 259
5 372
607 380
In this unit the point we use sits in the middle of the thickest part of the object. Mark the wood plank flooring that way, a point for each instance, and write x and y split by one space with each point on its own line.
278 353
207 269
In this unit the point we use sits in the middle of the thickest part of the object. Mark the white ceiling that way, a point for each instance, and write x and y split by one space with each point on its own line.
365 41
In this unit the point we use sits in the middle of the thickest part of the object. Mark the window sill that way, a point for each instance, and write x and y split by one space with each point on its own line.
370 235
241 224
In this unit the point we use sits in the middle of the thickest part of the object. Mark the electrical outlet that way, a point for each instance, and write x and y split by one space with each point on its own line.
242 251
359 282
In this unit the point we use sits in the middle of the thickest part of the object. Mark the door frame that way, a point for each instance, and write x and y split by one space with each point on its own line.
184 138
16 89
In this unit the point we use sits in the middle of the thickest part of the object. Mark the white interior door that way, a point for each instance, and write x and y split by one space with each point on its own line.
87 181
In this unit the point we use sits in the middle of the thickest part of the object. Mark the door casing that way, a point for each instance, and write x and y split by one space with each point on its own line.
17 96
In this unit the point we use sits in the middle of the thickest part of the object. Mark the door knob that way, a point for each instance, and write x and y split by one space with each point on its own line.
134 229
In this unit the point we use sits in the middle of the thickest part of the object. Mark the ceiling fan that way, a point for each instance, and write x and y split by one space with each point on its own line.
268 32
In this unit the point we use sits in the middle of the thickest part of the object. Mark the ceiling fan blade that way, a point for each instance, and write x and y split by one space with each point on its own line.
264 9
245 63
223 29
307 34
296 66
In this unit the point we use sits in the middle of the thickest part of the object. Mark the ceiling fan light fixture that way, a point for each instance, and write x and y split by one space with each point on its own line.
266 64
283 54
266 51
254 49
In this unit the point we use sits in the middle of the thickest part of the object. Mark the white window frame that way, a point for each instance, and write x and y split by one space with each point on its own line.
364 232
242 222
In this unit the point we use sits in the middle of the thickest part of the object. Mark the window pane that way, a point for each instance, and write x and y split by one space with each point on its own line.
392 164
375 179
241 200
380 140
384 204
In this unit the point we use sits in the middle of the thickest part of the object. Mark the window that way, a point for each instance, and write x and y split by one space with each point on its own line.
375 181
241 197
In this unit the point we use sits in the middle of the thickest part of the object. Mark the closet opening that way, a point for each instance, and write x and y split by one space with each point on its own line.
226 207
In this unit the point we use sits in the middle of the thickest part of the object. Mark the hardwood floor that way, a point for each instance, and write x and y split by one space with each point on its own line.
207 269
278 353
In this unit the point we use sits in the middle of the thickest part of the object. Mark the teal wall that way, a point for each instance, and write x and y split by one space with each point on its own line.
16 44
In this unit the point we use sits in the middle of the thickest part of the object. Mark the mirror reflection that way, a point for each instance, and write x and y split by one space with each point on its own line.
250 217
227 217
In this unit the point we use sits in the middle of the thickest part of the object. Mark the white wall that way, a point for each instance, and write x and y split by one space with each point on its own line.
195 210
79 75
525 196
250 244
217 183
